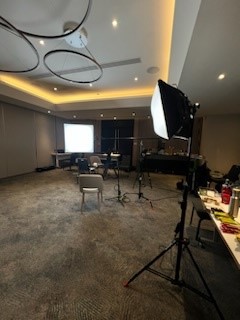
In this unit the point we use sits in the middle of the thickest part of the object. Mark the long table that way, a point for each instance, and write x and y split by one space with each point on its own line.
60 156
232 244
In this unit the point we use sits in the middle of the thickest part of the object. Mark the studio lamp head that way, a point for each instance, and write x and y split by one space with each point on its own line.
171 112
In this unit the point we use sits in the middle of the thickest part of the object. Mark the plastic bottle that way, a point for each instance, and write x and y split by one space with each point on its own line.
226 192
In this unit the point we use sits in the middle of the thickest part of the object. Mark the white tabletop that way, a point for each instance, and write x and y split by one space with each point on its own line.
233 245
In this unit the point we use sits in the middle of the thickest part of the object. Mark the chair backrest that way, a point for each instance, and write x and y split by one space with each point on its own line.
95 159
83 165
233 173
73 157
91 181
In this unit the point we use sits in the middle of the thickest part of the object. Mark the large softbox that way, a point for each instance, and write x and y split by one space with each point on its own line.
171 112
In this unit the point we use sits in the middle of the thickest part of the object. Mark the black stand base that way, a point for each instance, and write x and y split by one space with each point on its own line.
122 198
182 245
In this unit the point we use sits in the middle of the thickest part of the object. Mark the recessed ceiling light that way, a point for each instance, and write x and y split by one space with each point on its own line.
49 111
101 115
136 79
55 89
74 116
133 114
114 23
42 42
114 118
221 76
90 84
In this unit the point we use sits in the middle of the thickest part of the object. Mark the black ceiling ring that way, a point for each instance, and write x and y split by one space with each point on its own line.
64 34
79 54
8 26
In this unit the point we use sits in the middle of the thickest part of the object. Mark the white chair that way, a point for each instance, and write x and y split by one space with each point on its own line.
91 184
97 163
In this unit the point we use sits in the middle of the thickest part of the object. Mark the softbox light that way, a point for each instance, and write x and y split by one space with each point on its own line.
171 112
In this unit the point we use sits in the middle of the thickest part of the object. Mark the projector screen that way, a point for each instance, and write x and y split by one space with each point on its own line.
79 137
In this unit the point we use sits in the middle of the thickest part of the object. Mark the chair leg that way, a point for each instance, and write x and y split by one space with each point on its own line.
98 195
198 230
191 215
83 199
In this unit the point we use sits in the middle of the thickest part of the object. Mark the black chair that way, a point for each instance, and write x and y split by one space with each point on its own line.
202 214
84 167
70 162
232 175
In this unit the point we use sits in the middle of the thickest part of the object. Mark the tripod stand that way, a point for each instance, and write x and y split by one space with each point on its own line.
182 244
120 197
140 174
140 177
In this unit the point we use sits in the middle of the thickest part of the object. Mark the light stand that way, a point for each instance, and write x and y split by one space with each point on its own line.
122 198
140 175
179 240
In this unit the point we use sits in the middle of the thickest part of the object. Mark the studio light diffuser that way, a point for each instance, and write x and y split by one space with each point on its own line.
170 112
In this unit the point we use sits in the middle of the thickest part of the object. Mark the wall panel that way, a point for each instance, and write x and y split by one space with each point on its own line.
19 140
220 143
45 139
3 151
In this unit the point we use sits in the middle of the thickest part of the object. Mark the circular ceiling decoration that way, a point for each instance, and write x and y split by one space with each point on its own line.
18 55
64 9
73 66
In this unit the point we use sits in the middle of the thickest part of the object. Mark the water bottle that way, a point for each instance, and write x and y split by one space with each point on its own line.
234 203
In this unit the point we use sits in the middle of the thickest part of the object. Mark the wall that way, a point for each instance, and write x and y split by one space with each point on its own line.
27 139
220 143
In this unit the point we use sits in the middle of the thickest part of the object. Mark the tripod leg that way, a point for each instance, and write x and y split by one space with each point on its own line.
149 180
146 267
210 295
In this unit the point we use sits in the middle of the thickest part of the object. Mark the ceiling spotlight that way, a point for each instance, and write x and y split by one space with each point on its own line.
133 114
90 84
114 23
74 116
136 79
221 76
101 115
42 42
55 88
49 111
114 118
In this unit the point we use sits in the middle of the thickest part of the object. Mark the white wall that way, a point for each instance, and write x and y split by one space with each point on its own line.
220 142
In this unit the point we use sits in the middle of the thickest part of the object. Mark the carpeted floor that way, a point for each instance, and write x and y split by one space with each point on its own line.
57 263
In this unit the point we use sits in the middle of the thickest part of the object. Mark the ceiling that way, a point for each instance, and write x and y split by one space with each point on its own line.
185 43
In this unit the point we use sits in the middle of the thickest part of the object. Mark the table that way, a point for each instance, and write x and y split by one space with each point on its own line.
213 200
60 156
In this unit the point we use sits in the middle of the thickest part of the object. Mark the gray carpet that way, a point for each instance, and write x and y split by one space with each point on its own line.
57 263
